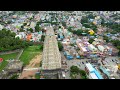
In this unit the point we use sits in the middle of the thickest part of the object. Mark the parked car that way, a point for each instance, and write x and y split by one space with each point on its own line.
112 60
82 62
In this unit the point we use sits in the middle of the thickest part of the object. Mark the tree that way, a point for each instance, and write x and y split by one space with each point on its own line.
91 16
21 30
113 32
74 69
9 42
106 38
72 44
102 22
86 31
40 63
86 25
118 47
70 29
42 38
116 43
59 26
119 53
24 24
91 40
82 72
31 30
9 22
60 46
64 24
15 76
41 47
79 32
37 28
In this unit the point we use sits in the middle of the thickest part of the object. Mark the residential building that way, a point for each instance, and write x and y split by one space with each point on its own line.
92 72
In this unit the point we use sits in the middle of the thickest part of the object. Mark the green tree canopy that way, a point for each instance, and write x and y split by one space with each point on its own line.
106 38
9 42
31 30
91 40
42 38
60 46
84 20
74 69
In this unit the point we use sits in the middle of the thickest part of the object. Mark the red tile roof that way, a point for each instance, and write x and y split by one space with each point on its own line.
1 59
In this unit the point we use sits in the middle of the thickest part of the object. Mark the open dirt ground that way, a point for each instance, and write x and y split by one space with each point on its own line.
34 63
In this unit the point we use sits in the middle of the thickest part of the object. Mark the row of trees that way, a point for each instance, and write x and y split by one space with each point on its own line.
60 46
9 42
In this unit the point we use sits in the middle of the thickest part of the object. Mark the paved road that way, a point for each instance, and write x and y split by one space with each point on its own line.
109 60
76 62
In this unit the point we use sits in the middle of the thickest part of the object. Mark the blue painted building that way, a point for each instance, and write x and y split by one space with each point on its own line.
93 73
68 56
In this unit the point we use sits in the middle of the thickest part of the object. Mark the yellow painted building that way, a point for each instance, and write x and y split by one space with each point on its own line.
91 32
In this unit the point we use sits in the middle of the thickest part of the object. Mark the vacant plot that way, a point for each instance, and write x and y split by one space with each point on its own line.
35 62
29 53
28 74
7 57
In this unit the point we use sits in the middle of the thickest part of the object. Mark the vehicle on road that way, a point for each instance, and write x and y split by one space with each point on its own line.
82 62
63 74
102 63
112 60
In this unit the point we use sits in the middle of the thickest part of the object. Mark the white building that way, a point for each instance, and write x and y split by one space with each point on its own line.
32 25
92 72
92 48
1 27
101 48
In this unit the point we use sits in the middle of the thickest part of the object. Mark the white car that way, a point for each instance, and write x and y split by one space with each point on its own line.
117 62
63 74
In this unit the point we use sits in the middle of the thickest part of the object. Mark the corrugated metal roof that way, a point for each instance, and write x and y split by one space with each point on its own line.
89 66
93 75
